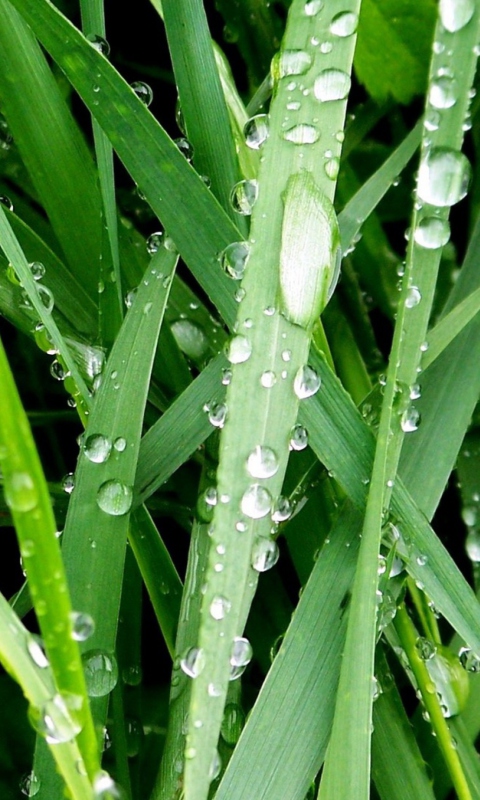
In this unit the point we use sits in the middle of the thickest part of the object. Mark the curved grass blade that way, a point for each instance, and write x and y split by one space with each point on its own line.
450 326
26 493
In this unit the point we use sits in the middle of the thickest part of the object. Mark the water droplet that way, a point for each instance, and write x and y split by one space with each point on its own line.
256 502
234 259
58 371
52 720
306 383
413 297
302 134
104 788
101 672
469 516
83 626
282 509
217 414
219 607
256 131
443 177
443 92
332 84
99 43
232 723
191 338
68 483
425 648
291 62
472 546
241 653
226 377
38 270
410 420
421 559
37 652
243 197
326 47
6 202
185 148
455 14
312 7
115 497
332 168
344 24
192 662
432 233
20 492
268 379
238 349
262 462
154 242
132 675
30 784
120 444
97 448
46 298
6 138
298 438
143 92
469 660
215 766
265 554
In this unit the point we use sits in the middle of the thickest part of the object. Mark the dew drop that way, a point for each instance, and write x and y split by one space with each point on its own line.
119 444
185 148
30 784
443 177
469 660
193 661
302 134
219 607
190 337
52 720
217 414
282 509
443 92
331 84
298 438
115 497
413 297
307 382
68 483
97 448
143 92
83 626
38 270
312 7
241 653
455 14
99 43
232 723
154 242
256 131
234 259
46 298
344 24
410 420
332 168
215 766
238 349
262 462
6 202
291 62
265 554
432 233
243 197
101 672
256 502
472 546
268 379
226 377
104 788
425 648
37 652
20 492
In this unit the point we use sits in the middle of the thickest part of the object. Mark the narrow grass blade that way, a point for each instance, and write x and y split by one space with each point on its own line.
26 493
450 326
38 685
51 146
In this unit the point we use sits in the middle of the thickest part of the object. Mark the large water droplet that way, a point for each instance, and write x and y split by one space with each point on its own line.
332 84
219 607
344 24
38 270
243 197
455 14
410 420
234 259
256 501
302 134
298 438
265 554
282 509
443 177
432 233
30 784
256 131
443 92
104 788
232 723
469 660
312 7
101 672
425 648
83 626
99 43
217 414
20 492
185 147
306 383
262 462
193 661
241 653
97 448
413 297
115 497
143 92
36 652
291 62
238 349
53 721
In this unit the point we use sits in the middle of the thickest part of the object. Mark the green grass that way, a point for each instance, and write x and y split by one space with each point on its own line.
236 406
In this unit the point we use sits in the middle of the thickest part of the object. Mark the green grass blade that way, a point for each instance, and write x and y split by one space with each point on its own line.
51 146
26 493
450 326
204 110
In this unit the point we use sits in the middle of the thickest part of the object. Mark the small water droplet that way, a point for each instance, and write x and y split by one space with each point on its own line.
256 131
190 337
97 448
443 177
421 559
6 202
104 788
83 626
217 414
410 420
101 672
332 84
344 24
238 349
472 546
443 92
215 766
268 379
262 462
302 134
265 554
243 197
307 382
469 660
68 483
30 784
455 14
99 43
53 721
282 509
332 168
432 233
291 62
58 371
143 92
413 297
185 148
226 377
425 648
37 269
120 444
298 438
219 607
234 259
20 492
36 651
312 7
232 723
154 242
193 662
115 497
256 501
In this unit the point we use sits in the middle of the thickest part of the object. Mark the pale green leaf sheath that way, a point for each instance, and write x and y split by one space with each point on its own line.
290 271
